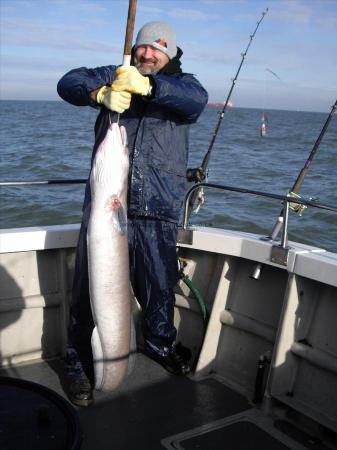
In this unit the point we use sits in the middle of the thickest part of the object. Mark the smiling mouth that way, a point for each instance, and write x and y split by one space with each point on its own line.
147 61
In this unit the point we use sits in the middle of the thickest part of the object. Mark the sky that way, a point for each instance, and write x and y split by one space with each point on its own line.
297 40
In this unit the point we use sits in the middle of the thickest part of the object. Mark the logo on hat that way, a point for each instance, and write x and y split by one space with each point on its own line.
161 42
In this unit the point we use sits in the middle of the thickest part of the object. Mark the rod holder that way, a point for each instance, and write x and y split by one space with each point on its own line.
280 253
284 239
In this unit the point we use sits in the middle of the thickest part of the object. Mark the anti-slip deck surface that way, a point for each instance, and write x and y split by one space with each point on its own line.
154 409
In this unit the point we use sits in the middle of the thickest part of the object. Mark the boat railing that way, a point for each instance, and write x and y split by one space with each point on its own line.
279 251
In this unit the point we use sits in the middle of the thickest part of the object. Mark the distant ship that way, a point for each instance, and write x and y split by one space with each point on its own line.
220 104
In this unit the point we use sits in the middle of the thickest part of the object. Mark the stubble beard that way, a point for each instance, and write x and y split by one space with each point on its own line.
145 70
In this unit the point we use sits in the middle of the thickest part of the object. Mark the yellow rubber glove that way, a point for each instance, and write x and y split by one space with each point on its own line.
129 79
113 100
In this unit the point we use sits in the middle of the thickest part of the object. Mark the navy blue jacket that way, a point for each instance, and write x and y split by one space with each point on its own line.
157 129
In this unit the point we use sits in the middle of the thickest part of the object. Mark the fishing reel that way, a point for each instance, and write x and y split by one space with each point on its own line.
297 207
197 175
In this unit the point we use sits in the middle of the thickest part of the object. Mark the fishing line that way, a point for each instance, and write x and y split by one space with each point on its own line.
263 126
199 174
264 118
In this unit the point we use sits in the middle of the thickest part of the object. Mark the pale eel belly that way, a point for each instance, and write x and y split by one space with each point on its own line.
108 261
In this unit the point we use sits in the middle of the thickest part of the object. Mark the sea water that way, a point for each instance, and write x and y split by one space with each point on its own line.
43 140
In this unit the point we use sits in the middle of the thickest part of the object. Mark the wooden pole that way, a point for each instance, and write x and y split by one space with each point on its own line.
129 32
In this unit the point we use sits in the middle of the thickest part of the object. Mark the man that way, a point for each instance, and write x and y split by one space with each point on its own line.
157 103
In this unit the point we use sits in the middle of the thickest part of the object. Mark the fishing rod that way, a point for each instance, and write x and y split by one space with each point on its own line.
297 207
130 24
199 174
300 178
129 32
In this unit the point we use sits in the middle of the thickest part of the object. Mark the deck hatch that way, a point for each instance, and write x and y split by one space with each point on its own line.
242 435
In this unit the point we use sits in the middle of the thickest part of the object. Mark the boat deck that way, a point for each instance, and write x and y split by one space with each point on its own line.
154 409
286 319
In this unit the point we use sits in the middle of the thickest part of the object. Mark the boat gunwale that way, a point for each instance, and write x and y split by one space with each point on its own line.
304 260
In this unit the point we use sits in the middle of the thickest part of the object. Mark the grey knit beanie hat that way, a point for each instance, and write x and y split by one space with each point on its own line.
160 36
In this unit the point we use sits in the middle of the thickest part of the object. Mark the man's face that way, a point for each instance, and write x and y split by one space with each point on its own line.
149 60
